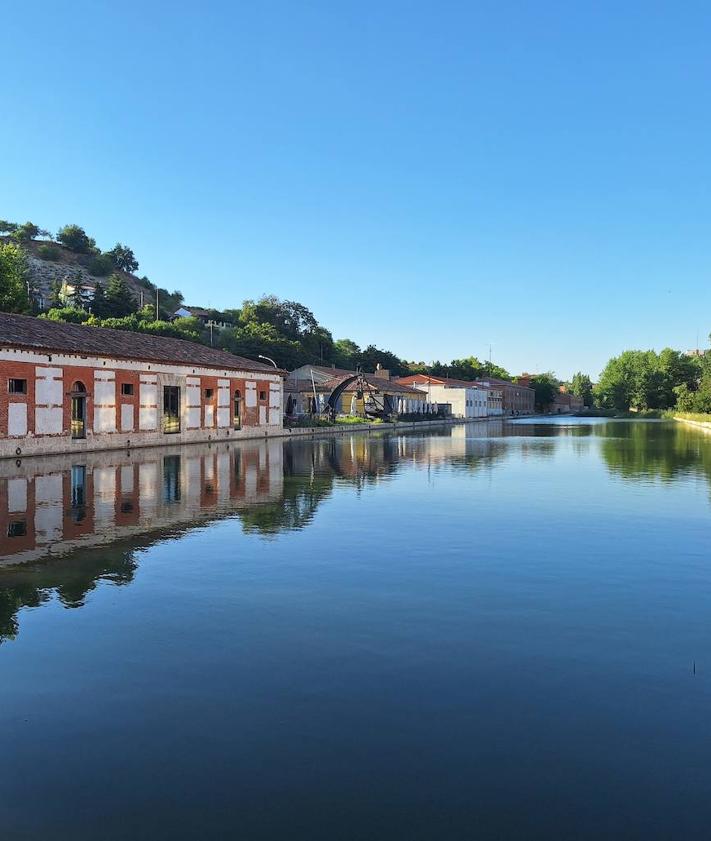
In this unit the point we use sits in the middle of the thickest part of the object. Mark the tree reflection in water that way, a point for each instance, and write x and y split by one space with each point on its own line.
66 526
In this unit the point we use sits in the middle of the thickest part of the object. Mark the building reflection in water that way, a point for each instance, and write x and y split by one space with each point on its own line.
53 506
67 524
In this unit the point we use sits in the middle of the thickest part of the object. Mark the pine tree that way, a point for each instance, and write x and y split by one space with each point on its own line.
99 307
119 298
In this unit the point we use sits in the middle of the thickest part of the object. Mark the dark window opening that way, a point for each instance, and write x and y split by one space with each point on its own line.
17 386
127 389
262 395
171 409
126 507
17 528
208 393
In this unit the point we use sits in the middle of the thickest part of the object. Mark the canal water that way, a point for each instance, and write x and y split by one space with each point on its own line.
490 631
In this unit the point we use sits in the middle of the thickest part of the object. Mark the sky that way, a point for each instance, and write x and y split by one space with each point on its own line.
433 178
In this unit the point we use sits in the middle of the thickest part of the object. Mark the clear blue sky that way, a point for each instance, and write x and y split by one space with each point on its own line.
431 177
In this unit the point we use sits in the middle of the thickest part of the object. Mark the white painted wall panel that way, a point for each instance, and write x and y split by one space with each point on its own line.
209 417
126 478
48 488
223 418
149 394
192 417
17 419
48 523
224 463
105 392
48 421
223 392
104 496
126 417
147 419
51 373
274 417
250 395
274 396
104 419
262 415
193 476
48 392
192 395
16 495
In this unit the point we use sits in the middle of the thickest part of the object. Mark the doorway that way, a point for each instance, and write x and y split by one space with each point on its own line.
237 410
78 425
171 409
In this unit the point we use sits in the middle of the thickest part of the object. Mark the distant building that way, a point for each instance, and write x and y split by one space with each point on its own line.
516 398
465 399
566 402
310 386
203 315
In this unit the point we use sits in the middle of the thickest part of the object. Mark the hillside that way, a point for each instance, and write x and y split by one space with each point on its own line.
50 264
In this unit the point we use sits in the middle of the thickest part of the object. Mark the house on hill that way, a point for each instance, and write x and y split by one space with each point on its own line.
203 315
72 388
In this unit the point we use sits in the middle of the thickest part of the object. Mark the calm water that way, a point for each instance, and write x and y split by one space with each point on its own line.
491 632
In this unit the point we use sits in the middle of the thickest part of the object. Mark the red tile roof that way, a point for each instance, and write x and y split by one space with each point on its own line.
27 332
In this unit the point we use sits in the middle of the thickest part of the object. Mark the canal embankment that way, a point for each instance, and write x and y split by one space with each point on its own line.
704 425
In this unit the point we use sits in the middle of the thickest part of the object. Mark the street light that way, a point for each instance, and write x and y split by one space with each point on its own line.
268 358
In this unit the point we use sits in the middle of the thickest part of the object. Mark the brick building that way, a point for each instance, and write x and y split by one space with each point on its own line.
71 388
516 398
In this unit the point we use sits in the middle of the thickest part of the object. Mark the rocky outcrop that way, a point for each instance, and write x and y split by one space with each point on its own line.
66 265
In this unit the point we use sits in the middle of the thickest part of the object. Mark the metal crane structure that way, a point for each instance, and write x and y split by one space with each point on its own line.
372 406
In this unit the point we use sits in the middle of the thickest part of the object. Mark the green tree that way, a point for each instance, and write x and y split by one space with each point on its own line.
119 298
70 315
545 387
581 386
346 354
643 379
28 231
123 258
372 356
99 306
14 292
7 227
76 239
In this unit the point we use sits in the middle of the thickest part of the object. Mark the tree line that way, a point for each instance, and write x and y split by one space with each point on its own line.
286 331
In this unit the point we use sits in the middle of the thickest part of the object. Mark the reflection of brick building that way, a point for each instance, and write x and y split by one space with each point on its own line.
70 388
58 504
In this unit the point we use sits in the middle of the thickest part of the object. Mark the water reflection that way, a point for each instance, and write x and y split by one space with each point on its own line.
663 451
55 508
91 519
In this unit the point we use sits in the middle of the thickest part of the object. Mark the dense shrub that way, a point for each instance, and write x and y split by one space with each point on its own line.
49 252
100 266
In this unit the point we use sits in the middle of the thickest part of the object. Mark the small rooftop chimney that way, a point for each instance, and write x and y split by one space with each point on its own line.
382 373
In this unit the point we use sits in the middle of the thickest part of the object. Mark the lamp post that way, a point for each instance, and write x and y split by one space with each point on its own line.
268 358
